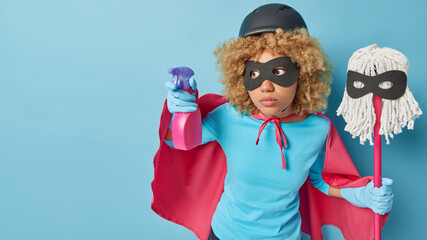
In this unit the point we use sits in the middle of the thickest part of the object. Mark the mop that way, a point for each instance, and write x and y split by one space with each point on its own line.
377 101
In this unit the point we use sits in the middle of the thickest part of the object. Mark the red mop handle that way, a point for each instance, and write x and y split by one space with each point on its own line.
377 161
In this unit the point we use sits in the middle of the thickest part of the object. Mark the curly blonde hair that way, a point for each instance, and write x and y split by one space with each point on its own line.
314 71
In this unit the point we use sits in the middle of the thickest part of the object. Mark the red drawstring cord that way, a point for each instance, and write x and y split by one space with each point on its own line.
280 136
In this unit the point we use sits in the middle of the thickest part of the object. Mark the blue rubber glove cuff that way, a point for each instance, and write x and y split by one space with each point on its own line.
169 143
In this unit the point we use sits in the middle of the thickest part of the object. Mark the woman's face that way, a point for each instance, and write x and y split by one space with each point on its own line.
271 99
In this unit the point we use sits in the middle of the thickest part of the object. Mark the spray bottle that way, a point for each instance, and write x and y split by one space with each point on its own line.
186 127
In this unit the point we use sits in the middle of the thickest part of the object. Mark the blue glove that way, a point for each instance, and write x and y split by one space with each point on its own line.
379 200
179 100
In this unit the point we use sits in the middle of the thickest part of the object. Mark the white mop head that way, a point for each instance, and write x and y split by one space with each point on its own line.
359 114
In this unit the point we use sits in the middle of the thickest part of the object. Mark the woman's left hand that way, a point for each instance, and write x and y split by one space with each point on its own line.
379 200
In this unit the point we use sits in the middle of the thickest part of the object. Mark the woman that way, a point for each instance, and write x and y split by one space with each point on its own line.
276 81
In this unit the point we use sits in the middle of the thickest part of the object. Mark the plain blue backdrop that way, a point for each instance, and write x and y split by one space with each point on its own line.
82 87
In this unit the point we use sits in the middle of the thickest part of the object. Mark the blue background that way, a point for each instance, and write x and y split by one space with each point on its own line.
82 87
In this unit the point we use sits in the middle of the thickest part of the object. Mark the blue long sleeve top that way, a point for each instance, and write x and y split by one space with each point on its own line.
260 198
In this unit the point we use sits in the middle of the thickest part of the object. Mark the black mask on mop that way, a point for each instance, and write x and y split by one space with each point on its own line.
281 71
372 84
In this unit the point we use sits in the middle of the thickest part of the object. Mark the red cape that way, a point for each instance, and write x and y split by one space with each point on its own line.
187 185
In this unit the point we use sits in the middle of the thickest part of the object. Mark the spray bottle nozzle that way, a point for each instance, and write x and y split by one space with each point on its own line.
181 76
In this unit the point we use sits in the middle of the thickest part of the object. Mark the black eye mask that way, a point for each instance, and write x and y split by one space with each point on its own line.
266 71
371 84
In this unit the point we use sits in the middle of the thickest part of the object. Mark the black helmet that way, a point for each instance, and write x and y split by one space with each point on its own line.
270 17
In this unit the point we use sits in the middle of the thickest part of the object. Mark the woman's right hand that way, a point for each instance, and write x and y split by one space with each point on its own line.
179 100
